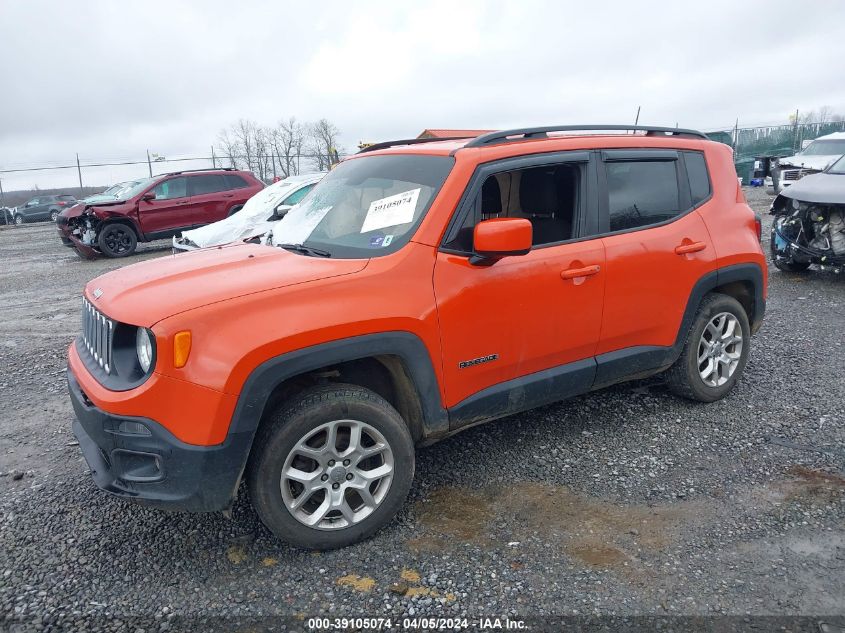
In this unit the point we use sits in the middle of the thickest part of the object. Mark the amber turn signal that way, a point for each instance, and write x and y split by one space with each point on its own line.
181 348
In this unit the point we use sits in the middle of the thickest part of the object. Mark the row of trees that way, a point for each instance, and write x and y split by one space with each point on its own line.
825 114
286 149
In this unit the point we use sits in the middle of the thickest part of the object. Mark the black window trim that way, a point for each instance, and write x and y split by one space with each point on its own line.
586 210
644 155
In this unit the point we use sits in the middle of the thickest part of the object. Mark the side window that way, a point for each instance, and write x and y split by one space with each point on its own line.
173 188
233 181
699 180
207 183
547 196
298 195
641 193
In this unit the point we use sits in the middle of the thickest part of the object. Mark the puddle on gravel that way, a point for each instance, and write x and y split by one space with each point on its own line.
595 532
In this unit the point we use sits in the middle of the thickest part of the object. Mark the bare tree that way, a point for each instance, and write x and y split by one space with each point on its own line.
324 144
287 140
824 115
229 148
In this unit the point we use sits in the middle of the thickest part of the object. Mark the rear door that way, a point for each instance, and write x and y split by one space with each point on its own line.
35 209
211 198
169 211
657 247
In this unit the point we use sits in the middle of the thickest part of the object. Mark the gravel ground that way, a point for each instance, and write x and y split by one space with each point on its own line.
626 502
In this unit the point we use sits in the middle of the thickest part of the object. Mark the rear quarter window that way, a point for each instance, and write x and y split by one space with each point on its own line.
699 179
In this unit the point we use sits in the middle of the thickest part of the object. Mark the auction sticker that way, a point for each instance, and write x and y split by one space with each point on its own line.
391 211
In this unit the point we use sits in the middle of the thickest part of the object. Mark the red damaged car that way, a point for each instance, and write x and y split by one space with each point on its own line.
155 208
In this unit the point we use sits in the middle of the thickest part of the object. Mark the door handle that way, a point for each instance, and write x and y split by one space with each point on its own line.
228 195
574 273
691 247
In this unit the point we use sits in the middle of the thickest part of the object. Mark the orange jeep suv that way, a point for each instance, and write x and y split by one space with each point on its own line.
421 288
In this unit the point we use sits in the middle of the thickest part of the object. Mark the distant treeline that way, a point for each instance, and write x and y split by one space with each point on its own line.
14 198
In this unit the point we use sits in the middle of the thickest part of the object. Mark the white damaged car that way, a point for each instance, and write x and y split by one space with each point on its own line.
815 158
258 215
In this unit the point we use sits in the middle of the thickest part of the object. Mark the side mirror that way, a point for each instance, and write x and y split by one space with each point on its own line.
281 211
500 237
150 195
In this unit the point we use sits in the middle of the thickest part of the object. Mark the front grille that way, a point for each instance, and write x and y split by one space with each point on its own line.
97 335
791 174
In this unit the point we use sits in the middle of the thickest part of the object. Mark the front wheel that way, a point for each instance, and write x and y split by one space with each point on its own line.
19 219
331 467
117 240
715 351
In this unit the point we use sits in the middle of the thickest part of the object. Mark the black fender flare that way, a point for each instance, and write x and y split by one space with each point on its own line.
261 382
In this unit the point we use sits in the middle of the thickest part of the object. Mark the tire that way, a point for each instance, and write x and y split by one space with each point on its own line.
302 425
54 215
117 240
686 377
19 219
234 210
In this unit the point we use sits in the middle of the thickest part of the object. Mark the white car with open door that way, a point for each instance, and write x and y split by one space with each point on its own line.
257 216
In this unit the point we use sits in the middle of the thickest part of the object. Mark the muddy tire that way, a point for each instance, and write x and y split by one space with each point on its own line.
331 467
715 352
117 240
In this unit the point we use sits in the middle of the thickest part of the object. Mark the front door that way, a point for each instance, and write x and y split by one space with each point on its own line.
523 319
170 208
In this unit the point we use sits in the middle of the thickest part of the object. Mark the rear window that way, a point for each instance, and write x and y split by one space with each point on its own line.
207 183
699 181
66 196
234 181
641 193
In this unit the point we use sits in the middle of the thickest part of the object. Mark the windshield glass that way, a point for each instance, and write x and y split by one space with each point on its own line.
838 167
365 207
134 190
825 148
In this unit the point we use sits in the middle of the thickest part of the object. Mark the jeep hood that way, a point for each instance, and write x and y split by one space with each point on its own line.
817 162
147 292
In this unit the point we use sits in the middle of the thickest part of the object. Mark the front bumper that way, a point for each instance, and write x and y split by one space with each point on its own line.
156 468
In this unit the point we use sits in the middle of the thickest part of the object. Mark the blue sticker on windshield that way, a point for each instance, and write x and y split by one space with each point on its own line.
376 240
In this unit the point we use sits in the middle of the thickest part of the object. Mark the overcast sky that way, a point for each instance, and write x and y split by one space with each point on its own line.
111 79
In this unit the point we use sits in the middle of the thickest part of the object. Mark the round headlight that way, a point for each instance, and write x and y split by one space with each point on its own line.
144 348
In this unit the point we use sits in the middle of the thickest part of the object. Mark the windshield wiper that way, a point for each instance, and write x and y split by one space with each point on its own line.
305 250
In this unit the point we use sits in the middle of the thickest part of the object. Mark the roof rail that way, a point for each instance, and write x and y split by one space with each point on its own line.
411 141
503 136
188 171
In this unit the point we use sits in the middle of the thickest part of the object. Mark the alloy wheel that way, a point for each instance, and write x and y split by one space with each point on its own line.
719 349
337 475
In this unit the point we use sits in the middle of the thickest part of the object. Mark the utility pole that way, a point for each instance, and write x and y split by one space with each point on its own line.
149 164
736 137
213 159
795 146
79 172
637 119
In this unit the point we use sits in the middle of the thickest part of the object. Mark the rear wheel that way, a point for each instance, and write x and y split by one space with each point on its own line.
715 351
234 210
331 467
54 215
117 240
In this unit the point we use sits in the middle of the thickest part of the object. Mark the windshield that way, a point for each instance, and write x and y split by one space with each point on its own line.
825 148
134 190
365 207
838 167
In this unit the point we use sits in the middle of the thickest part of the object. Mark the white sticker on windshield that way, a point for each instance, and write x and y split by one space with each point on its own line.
391 211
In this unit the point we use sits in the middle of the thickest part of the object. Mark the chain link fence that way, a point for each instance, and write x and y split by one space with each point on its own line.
772 140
